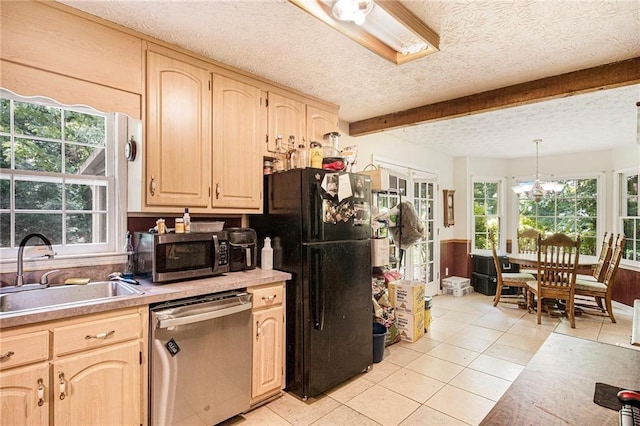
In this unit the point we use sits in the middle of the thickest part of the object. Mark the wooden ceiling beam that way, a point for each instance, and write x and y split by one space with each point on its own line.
607 76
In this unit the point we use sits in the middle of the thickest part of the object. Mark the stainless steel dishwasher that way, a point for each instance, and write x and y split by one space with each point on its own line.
200 359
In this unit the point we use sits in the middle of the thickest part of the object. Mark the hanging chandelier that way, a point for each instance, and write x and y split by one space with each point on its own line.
537 190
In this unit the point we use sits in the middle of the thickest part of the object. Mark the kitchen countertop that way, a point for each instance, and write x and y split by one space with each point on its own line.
153 293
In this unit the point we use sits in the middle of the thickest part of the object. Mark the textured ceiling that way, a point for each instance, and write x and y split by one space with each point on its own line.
484 45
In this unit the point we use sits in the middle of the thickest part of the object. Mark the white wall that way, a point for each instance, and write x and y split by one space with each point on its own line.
414 156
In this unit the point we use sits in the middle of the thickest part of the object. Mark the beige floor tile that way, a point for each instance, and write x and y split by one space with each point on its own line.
453 354
497 367
614 339
528 343
351 388
471 343
436 368
401 355
261 416
468 318
481 384
298 412
460 404
481 332
423 345
510 353
345 416
381 370
426 416
585 330
383 405
412 385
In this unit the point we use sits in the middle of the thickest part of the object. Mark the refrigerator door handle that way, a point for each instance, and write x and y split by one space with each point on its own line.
317 296
316 212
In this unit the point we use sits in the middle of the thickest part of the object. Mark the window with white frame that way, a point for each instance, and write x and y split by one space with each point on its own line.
629 215
573 210
486 213
55 177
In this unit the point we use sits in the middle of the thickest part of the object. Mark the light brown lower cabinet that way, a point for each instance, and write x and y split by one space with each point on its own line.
94 371
268 342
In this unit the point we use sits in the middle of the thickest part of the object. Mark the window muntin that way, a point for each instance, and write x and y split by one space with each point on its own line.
486 213
55 177
573 210
630 217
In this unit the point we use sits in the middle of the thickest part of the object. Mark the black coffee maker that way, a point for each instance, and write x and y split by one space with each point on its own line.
243 249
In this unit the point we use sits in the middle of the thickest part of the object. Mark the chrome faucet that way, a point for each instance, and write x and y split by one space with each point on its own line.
20 272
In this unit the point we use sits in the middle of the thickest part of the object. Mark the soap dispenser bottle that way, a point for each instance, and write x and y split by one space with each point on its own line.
267 255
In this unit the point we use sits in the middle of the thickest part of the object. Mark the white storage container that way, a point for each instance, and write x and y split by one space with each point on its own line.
457 292
455 282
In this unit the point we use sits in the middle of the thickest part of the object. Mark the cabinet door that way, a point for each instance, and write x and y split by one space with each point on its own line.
319 122
267 351
286 118
178 140
20 391
99 387
237 172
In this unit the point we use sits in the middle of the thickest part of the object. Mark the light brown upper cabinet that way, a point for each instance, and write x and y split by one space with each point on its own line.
178 132
319 122
286 118
237 128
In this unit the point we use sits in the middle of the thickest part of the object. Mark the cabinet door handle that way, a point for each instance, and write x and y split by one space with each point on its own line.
8 355
62 386
40 392
152 186
217 191
100 335
269 298
258 330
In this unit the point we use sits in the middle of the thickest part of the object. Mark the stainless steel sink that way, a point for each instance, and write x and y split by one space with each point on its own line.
65 295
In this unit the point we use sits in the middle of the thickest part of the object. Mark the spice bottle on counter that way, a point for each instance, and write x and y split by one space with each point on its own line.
186 218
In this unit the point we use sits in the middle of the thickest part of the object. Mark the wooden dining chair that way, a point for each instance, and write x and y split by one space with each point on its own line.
558 257
603 260
510 279
528 244
602 289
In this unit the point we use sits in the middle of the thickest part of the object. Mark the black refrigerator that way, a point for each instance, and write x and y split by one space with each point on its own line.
319 222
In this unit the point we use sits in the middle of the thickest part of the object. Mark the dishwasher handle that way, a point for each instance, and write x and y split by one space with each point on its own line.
172 322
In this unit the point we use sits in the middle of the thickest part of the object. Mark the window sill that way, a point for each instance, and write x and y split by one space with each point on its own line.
63 261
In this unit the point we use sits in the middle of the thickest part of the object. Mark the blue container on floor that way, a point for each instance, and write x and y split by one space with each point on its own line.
379 337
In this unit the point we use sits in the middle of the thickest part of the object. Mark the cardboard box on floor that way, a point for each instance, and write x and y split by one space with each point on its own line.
407 296
410 326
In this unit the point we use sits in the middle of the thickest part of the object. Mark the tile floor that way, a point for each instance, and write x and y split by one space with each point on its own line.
453 375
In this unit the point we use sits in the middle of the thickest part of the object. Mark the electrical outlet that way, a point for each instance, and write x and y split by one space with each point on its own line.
446 272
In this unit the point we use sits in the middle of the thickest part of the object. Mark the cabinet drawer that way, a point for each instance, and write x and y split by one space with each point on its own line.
96 333
267 296
24 349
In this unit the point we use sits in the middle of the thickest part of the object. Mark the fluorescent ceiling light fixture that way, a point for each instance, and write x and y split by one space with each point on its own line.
385 27
537 190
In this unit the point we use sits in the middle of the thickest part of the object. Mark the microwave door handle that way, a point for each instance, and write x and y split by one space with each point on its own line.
216 253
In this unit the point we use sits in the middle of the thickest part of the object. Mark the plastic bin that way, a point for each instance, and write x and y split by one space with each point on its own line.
379 335
428 302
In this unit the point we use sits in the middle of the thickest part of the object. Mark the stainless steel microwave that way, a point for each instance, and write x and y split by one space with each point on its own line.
172 257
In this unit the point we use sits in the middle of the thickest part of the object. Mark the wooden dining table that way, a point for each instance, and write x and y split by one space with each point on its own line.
531 260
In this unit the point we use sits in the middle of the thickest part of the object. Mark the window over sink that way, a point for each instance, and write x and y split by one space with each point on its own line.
56 175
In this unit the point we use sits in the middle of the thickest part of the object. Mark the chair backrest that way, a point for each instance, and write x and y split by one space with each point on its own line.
528 240
603 259
558 257
496 259
614 262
